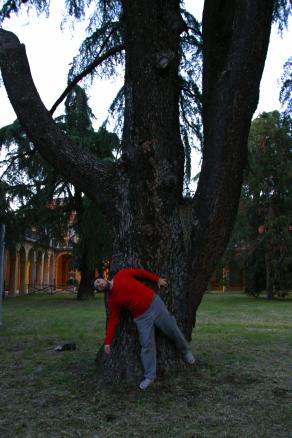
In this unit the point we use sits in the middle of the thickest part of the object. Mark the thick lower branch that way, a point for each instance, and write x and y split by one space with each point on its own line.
94 177
230 96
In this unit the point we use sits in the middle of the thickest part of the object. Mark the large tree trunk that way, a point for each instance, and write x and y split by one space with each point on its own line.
154 227
149 230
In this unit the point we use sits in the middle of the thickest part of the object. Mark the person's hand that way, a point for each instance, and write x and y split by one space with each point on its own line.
162 282
107 348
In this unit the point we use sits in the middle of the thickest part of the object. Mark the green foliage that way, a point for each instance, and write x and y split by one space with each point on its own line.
116 111
17 158
78 116
263 232
76 8
286 89
14 6
282 11
94 46
77 124
94 244
104 34
190 80
32 185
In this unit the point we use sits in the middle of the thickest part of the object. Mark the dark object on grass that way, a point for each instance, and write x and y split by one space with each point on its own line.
110 417
67 346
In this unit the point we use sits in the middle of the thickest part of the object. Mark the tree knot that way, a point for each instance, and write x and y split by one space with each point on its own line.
164 59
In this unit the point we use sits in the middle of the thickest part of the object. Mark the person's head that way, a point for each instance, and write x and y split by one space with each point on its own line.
101 284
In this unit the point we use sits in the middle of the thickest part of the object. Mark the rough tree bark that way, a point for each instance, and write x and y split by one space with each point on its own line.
235 41
85 288
154 227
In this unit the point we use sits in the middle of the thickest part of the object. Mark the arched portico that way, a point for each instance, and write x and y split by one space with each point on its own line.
52 275
39 269
22 271
31 268
14 272
46 269
64 262
28 268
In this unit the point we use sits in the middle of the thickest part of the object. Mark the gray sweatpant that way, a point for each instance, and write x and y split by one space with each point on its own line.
157 315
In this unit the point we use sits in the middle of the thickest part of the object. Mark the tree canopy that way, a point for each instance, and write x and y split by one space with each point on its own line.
45 200
262 233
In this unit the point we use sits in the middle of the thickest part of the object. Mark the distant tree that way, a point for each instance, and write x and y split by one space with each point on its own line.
93 248
30 186
264 223
94 236
286 89
33 185
94 243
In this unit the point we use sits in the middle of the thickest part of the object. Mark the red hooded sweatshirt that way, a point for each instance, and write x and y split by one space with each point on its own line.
129 293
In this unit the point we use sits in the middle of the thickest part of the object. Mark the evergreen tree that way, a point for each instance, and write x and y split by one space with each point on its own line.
94 243
286 89
31 184
34 186
263 226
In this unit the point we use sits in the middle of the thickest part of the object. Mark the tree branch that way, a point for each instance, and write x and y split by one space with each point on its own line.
10 162
85 72
94 177
236 37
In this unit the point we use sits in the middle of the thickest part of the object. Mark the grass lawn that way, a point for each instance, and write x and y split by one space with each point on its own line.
241 386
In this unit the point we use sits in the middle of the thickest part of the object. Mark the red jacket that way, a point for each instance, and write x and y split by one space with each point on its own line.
127 292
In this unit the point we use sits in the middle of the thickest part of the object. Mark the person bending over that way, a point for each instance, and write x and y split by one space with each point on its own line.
126 291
